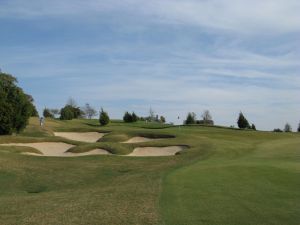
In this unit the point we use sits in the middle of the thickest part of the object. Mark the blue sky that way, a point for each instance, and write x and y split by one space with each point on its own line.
172 55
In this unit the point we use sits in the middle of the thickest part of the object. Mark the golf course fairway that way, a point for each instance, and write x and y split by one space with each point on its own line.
223 176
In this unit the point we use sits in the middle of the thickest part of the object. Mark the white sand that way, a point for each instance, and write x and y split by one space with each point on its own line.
140 139
56 149
81 136
156 151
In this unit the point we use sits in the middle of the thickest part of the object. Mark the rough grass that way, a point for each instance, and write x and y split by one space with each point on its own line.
227 176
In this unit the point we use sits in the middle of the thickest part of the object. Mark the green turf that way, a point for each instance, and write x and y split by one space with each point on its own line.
226 177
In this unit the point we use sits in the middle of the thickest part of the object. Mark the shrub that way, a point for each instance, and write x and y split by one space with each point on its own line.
205 122
104 118
277 130
15 105
253 127
162 119
67 113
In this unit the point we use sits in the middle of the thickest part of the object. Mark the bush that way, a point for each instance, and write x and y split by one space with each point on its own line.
67 113
205 122
104 118
253 127
242 121
15 105
277 130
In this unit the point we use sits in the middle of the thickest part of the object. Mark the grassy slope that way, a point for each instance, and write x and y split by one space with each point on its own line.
226 177
250 178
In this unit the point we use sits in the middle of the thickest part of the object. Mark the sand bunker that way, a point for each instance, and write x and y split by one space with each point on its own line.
56 149
140 139
156 151
81 136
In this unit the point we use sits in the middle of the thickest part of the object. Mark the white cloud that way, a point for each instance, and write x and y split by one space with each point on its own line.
243 16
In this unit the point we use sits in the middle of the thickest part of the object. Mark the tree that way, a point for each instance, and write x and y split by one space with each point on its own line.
242 121
151 115
277 130
71 102
206 115
191 118
287 128
15 105
67 113
47 113
89 111
134 117
298 128
104 118
127 117
55 112
162 119
71 111
33 110
253 126
206 118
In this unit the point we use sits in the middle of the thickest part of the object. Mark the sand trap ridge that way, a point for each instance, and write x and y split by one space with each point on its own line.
56 149
156 151
140 139
81 136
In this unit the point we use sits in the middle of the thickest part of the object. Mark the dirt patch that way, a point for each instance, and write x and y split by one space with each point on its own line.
156 151
90 137
56 149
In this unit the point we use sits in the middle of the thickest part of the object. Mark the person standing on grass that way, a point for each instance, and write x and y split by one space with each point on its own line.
42 121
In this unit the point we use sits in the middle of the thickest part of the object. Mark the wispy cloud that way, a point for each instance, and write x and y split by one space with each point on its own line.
237 15
174 55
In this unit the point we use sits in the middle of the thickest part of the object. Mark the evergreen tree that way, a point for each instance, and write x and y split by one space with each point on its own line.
242 121
253 126
298 128
134 117
104 118
191 118
127 117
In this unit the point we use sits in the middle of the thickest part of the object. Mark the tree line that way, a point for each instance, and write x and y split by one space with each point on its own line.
16 107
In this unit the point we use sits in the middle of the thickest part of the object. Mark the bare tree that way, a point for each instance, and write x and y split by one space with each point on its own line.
71 102
55 112
151 114
206 116
89 111
287 128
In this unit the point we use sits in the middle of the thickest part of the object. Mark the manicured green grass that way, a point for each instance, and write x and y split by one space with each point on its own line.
226 176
